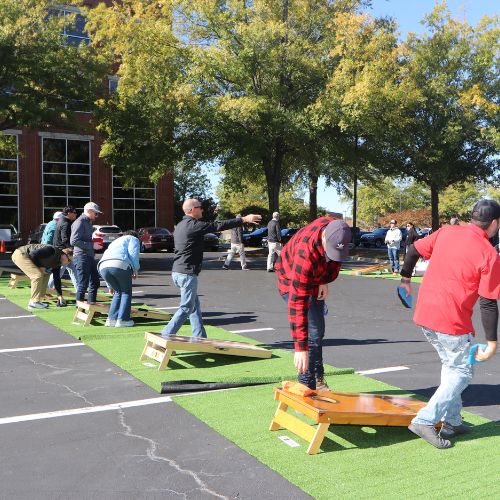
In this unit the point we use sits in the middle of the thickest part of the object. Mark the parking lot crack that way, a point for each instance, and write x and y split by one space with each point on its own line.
153 455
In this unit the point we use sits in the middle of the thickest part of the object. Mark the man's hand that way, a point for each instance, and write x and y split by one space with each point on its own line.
490 351
406 285
134 276
301 361
252 219
323 292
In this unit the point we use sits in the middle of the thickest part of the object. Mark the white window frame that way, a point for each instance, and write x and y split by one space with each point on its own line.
16 134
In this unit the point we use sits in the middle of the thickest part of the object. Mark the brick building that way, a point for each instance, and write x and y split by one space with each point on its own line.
62 167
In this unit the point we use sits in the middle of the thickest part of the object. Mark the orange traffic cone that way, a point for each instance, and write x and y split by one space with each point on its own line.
2 246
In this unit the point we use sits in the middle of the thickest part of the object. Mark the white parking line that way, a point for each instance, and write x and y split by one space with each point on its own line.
254 330
169 307
383 370
87 409
40 347
16 317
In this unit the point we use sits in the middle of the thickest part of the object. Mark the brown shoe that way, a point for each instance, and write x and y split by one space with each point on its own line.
321 385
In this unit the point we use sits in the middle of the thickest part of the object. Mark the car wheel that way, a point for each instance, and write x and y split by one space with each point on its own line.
378 243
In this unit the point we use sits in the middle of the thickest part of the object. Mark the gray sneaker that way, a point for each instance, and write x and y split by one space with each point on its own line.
429 433
448 431
37 305
321 385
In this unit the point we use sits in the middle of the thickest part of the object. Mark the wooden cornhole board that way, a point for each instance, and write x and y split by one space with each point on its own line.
85 312
160 349
369 269
347 408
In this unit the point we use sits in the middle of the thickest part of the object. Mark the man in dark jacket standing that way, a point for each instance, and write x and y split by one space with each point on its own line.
87 275
188 257
237 246
273 240
62 237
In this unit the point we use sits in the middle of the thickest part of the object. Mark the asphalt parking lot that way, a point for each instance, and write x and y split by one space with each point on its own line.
73 424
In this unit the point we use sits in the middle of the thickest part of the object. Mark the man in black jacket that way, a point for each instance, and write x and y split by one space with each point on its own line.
61 241
34 260
273 240
188 257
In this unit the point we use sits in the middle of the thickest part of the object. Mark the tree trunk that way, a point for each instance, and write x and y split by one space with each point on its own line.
435 207
355 201
273 165
313 197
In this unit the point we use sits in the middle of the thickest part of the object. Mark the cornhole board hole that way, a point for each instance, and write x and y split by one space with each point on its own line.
369 269
340 408
85 312
160 349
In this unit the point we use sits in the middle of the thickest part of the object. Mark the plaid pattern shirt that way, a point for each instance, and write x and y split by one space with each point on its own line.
301 268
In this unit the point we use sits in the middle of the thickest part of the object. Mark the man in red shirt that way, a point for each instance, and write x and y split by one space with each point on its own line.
463 267
308 262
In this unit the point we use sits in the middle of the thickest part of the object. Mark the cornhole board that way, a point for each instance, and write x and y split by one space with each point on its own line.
369 269
340 408
85 312
160 348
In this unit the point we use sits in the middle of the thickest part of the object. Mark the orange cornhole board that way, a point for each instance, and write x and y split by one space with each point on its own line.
369 269
351 408
160 348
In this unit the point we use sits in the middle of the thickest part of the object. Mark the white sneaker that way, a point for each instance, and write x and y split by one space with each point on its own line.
37 305
110 322
123 324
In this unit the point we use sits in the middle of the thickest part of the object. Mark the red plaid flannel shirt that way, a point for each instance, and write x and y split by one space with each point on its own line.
301 268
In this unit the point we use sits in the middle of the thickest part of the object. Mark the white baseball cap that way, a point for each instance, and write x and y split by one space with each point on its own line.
57 215
92 206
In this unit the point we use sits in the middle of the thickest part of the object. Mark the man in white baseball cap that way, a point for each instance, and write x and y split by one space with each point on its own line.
50 229
86 273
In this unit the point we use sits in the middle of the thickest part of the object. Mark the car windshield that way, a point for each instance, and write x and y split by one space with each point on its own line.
8 226
158 230
109 229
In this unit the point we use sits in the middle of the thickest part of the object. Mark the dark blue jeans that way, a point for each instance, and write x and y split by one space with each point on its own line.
393 254
120 280
315 334
87 277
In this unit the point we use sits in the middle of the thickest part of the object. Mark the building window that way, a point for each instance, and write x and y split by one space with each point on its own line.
66 174
112 84
9 186
134 207
73 32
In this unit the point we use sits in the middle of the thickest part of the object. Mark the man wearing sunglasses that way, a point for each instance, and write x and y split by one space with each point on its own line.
188 257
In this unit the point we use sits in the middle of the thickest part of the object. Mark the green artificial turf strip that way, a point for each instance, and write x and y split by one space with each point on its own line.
356 462
123 347
387 276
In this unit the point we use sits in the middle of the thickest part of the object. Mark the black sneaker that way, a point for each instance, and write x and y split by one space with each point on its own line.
429 433
448 431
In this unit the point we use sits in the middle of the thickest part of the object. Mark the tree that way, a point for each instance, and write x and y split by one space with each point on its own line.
445 134
42 76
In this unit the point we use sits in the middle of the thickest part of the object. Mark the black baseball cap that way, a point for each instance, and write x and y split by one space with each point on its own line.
486 211
338 236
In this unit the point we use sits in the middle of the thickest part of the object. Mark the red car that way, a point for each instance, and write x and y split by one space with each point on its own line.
154 239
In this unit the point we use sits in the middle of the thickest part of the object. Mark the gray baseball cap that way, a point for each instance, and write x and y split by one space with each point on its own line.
338 236
92 206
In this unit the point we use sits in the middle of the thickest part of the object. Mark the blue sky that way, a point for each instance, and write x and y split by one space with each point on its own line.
408 14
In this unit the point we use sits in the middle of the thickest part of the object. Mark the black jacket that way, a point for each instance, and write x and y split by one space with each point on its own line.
273 231
63 233
42 255
411 237
188 240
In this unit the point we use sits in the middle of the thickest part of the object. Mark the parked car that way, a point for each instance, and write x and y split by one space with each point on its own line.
211 242
35 235
286 236
424 231
155 239
254 239
12 239
377 237
356 235
107 233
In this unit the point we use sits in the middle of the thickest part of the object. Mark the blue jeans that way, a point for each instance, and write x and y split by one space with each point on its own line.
315 334
120 280
456 374
394 258
188 308
87 276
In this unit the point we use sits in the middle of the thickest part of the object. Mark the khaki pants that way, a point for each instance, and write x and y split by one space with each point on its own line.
38 278
274 248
